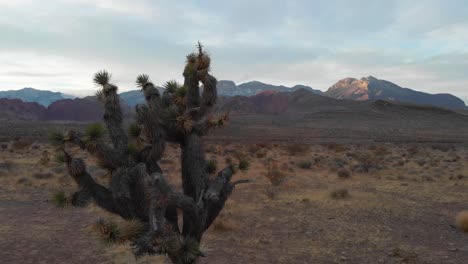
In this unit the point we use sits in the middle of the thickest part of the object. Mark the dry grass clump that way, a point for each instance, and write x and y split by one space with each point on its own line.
344 173
223 224
462 220
381 151
211 166
443 147
413 150
304 164
341 193
261 154
275 175
296 149
337 148
21 144
112 233
3 146
6 167
45 158
367 162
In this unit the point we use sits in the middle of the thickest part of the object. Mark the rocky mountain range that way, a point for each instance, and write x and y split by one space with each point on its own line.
301 114
42 97
371 88
252 97
226 88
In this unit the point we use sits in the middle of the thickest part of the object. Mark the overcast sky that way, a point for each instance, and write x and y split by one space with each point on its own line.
59 44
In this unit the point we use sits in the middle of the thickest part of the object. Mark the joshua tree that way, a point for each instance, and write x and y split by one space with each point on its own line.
137 189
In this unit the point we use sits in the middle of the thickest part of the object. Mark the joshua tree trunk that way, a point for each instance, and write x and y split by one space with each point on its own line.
137 188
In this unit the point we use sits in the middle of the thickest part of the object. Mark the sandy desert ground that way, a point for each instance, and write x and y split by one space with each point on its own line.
323 203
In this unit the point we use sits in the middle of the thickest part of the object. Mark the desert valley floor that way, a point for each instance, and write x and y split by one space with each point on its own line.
317 203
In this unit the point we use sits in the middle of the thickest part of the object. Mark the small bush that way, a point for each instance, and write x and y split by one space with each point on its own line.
337 148
211 166
381 151
344 173
367 161
462 220
443 147
45 158
243 164
340 194
60 199
3 146
7 165
412 150
21 144
261 154
296 148
24 181
275 175
223 225
305 164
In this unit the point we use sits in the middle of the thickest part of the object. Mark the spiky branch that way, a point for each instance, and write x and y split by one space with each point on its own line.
138 188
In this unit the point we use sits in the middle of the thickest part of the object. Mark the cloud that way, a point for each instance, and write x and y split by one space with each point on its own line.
61 43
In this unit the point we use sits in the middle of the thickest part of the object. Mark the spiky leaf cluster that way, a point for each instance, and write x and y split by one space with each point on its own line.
102 77
57 139
60 199
142 80
134 130
211 166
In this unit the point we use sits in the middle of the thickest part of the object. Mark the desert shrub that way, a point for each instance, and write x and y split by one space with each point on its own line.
261 154
211 166
275 175
337 148
413 150
344 173
421 162
223 224
211 149
341 193
244 164
45 158
367 161
296 149
23 181
3 145
443 147
381 151
304 164
337 163
7 165
462 220
21 144
261 145
35 145
60 199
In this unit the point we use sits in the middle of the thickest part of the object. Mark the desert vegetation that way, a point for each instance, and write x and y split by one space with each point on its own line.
137 190
303 214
